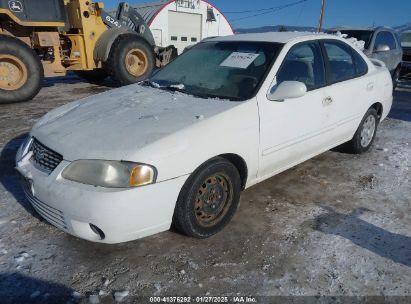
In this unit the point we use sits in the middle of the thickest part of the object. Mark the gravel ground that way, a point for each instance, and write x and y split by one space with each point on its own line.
337 225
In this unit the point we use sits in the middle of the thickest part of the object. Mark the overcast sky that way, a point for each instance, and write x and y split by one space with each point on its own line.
338 12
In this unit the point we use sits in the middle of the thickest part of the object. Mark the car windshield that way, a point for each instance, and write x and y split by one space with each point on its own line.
363 35
406 37
228 70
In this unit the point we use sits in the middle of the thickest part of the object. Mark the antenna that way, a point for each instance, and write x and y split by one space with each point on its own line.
320 24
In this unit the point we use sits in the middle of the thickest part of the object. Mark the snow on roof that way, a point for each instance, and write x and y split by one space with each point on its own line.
279 37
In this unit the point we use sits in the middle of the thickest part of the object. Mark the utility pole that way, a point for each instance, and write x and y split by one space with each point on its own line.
320 25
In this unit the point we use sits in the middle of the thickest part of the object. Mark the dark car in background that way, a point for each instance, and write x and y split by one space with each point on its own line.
406 59
382 43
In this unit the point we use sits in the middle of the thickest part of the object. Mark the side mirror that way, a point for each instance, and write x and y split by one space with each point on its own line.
382 48
287 90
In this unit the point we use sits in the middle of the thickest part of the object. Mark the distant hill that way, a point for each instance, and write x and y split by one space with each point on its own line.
275 28
404 27
291 28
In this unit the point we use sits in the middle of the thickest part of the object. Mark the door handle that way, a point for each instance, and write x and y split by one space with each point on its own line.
327 101
370 86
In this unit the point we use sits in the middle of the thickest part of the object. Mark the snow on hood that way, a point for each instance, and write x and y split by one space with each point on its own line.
116 124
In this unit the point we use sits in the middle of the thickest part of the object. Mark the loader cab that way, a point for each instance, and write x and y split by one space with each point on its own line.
34 10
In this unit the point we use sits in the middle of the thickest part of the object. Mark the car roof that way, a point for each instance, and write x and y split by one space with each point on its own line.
277 37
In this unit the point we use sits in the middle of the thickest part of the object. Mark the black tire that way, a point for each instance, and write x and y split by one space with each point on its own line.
218 175
396 77
16 55
116 62
357 145
93 76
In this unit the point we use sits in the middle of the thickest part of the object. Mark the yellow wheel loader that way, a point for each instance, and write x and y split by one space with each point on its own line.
48 38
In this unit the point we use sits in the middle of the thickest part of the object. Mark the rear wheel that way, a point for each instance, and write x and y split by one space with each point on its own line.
21 72
365 134
131 60
208 200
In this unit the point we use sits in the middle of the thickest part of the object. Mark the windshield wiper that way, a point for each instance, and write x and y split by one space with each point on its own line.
175 87
152 84
171 87
178 87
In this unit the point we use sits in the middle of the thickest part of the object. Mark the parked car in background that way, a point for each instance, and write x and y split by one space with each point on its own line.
382 43
225 115
406 59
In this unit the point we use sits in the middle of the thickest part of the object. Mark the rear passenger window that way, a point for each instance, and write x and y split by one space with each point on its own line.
303 63
340 61
360 64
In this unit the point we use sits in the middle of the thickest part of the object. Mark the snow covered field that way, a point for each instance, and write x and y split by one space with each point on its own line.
337 225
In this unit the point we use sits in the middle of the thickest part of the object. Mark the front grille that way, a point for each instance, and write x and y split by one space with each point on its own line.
50 214
43 157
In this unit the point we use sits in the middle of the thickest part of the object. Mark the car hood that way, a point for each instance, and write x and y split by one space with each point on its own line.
116 124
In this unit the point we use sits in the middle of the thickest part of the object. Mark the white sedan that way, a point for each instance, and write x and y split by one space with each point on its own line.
178 149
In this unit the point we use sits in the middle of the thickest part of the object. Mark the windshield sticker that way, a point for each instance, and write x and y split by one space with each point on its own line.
239 60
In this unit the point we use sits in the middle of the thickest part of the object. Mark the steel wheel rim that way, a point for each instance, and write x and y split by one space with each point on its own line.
136 62
214 199
13 73
368 130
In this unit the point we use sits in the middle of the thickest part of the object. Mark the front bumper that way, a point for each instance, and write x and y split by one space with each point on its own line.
121 214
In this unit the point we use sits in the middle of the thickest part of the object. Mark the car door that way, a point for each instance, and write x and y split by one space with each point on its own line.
294 129
397 50
350 88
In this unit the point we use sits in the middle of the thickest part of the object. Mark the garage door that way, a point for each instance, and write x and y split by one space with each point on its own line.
184 29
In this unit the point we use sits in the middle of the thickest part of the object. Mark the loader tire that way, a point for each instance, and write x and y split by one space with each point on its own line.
94 76
21 71
131 60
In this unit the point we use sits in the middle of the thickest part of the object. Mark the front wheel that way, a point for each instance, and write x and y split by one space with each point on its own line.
365 134
131 60
208 200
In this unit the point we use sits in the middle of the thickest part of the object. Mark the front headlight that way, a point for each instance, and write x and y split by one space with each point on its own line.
110 174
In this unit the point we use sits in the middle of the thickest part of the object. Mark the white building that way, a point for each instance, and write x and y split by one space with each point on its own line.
183 22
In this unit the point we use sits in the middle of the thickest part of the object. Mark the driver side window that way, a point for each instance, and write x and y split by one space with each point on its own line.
303 63
385 38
